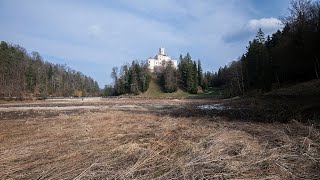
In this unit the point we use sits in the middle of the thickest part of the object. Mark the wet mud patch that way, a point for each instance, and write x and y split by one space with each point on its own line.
257 110
12 115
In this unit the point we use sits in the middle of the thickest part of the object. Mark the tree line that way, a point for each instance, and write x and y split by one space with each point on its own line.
289 56
135 78
188 76
131 79
28 75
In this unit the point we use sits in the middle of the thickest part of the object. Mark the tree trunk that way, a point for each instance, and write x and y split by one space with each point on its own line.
232 90
242 81
316 66
278 81
238 81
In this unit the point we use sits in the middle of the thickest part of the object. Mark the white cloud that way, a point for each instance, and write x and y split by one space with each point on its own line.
95 31
266 24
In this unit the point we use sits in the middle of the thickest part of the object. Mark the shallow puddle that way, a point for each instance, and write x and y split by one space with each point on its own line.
212 107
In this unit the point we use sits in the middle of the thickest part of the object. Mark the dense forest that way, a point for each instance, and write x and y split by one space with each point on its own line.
289 56
23 75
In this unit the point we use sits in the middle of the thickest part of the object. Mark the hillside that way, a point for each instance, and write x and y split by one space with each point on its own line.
309 88
154 90
25 75
299 102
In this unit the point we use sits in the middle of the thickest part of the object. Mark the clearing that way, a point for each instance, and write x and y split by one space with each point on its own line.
140 138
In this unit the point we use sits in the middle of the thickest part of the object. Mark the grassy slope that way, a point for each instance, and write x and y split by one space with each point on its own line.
155 91
300 102
211 92
311 88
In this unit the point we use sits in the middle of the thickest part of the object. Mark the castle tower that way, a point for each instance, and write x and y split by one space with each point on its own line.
161 51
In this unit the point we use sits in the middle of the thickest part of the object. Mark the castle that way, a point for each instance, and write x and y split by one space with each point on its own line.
160 59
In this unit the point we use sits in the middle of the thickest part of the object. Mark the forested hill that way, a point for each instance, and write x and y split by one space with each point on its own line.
23 75
287 57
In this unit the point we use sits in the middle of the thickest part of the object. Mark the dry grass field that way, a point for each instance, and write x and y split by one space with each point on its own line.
140 139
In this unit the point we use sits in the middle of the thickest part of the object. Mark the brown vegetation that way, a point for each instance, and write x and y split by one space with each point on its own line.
125 139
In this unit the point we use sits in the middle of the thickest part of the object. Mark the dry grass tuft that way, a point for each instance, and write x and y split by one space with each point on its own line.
126 145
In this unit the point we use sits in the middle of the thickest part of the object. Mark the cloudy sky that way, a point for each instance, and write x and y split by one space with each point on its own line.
93 36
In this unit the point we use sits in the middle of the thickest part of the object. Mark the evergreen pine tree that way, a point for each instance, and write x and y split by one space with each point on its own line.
200 75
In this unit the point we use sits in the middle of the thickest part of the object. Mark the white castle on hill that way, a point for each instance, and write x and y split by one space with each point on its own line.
160 59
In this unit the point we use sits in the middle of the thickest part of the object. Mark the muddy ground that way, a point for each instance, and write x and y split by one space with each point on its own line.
136 138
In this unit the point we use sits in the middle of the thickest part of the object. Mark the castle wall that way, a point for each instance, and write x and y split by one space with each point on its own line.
158 59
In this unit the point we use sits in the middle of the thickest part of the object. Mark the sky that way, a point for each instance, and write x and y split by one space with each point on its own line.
94 36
